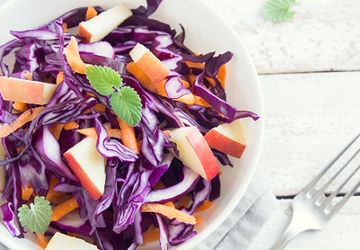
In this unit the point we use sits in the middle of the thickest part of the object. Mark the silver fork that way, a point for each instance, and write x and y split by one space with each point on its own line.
311 208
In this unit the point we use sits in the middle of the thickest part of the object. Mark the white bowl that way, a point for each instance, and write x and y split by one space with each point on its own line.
205 32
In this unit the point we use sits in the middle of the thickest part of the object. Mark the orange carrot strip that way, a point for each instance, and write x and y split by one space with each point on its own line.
59 77
60 199
115 133
91 132
221 75
25 117
90 13
128 135
53 182
191 78
184 201
150 236
194 64
99 107
169 204
159 185
71 125
56 129
42 240
168 212
20 106
26 193
206 205
64 208
65 27
71 234
73 57
198 220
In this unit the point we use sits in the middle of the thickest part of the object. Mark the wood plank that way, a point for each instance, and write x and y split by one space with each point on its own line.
323 35
309 120
340 233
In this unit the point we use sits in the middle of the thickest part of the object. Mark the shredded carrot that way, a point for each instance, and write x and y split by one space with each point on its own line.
59 77
27 116
99 107
198 220
150 236
73 57
53 182
159 185
64 208
20 106
184 201
19 149
194 64
169 204
169 212
191 78
56 129
71 125
128 135
26 193
42 240
206 205
65 27
91 132
71 234
60 199
221 75
90 13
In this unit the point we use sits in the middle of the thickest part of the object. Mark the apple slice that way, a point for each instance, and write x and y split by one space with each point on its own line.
149 63
228 138
100 26
62 241
194 151
20 90
88 165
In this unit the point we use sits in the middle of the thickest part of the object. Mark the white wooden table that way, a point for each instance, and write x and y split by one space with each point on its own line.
309 69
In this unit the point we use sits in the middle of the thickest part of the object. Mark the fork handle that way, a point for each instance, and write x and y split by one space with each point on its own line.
287 236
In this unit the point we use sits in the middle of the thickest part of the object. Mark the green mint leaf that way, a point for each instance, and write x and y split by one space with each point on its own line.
127 105
36 217
103 79
278 10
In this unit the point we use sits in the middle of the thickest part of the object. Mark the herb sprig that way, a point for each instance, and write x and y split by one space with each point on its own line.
124 100
36 217
279 10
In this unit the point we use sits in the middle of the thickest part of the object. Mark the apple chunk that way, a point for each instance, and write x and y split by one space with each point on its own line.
20 90
62 241
228 138
100 26
194 151
149 63
88 165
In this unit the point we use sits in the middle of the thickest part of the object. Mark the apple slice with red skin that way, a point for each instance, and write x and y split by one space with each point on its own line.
101 25
26 91
149 63
61 241
228 138
88 165
194 151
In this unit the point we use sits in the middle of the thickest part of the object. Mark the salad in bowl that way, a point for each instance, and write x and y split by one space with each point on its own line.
119 134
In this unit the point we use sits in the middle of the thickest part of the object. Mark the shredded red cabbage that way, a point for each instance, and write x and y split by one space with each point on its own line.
130 177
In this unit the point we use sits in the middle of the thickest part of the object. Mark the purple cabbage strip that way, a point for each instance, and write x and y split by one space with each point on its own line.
10 219
172 193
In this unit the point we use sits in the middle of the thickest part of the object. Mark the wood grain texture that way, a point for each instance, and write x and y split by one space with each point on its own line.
309 119
342 232
324 35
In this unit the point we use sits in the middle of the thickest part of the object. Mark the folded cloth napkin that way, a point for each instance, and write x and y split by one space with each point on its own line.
247 219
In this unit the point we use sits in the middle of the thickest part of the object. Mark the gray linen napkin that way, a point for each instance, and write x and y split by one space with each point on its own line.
247 219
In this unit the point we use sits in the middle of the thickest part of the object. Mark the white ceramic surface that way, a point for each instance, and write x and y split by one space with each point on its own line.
205 32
